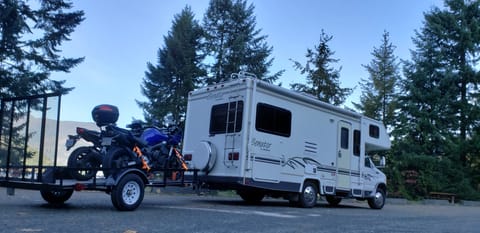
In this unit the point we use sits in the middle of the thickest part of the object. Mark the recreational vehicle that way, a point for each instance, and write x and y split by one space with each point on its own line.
261 139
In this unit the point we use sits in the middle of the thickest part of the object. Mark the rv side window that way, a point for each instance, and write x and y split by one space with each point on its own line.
344 138
356 142
226 117
273 120
374 131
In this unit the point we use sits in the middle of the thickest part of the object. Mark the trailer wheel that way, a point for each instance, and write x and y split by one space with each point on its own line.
56 196
332 200
251 197
83 163
378 201
308 196
128 193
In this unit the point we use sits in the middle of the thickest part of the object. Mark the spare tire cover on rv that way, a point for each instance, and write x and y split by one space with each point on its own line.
204 156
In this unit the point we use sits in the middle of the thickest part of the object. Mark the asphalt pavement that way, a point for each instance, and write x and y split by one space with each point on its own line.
172 212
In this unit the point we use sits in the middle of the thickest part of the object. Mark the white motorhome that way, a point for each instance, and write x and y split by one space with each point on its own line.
261 139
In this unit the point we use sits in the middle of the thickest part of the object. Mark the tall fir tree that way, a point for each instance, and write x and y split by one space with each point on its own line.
31 36
323 80
167 84
439 108
30 39
233 43
380 90
441 81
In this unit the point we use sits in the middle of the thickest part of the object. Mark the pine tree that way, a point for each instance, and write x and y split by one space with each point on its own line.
233 43
378 99
167 84
442 84
322 79
439 110
30 40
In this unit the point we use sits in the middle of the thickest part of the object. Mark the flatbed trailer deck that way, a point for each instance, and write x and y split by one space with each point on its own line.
29 135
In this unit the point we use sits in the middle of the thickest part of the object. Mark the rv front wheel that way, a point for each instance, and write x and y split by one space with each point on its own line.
308 196
378 201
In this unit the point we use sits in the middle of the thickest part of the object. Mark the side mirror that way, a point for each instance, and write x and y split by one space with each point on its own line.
382 161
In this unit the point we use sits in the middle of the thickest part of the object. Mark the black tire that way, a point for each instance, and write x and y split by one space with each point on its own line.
116 159
308 196
332 200
84 163
378 201
128 194
251 196
56 196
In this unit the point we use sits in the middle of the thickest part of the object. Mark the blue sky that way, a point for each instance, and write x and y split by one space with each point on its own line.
119 37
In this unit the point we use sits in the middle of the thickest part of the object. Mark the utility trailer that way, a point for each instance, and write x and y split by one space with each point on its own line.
261 139
29 135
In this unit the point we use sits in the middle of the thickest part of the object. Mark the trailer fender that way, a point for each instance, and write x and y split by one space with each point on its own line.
113 181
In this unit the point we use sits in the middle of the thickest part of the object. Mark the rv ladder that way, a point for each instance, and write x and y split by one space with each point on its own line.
230 131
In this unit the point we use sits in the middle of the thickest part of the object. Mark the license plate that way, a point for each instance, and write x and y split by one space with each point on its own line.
106 141
70 143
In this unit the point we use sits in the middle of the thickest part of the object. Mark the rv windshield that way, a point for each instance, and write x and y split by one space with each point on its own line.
369 162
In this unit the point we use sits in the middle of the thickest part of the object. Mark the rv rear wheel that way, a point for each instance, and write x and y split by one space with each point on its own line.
378 201
332 200
251 196
308 196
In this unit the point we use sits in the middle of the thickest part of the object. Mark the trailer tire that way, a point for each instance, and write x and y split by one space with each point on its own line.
83 163
128 193
56 197
378 201
251 196
308 196
333 200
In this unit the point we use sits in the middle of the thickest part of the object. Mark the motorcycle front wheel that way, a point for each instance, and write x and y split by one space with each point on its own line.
84 162
116 159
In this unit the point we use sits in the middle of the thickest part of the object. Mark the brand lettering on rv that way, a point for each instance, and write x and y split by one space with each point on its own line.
263 145
218 95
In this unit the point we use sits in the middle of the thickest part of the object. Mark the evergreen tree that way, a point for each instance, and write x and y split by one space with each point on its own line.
167 84
233 42
322 79
30 40
459 29
442 84
378 99
439 110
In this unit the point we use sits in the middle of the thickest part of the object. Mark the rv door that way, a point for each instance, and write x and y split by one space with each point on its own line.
344 155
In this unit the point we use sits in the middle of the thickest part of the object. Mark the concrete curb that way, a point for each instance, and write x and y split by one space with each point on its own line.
401 201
